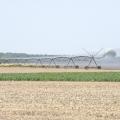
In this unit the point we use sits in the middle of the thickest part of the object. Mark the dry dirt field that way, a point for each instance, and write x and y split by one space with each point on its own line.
37 70
59 101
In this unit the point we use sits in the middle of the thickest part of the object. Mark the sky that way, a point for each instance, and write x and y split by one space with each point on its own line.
59 26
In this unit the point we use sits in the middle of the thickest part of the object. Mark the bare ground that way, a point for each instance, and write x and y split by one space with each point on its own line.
38 69
59 101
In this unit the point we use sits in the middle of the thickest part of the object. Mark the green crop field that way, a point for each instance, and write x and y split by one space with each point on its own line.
82 76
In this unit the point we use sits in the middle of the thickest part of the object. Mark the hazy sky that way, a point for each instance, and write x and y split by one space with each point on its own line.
59 26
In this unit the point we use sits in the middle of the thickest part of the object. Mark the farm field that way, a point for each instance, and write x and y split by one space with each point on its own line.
30 100
38 70
63 76
29 93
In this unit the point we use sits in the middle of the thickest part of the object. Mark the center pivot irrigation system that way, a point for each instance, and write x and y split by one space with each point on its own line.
93 58
89 61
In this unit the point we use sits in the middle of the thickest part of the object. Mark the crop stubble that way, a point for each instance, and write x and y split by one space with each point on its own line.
59 100
38 69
